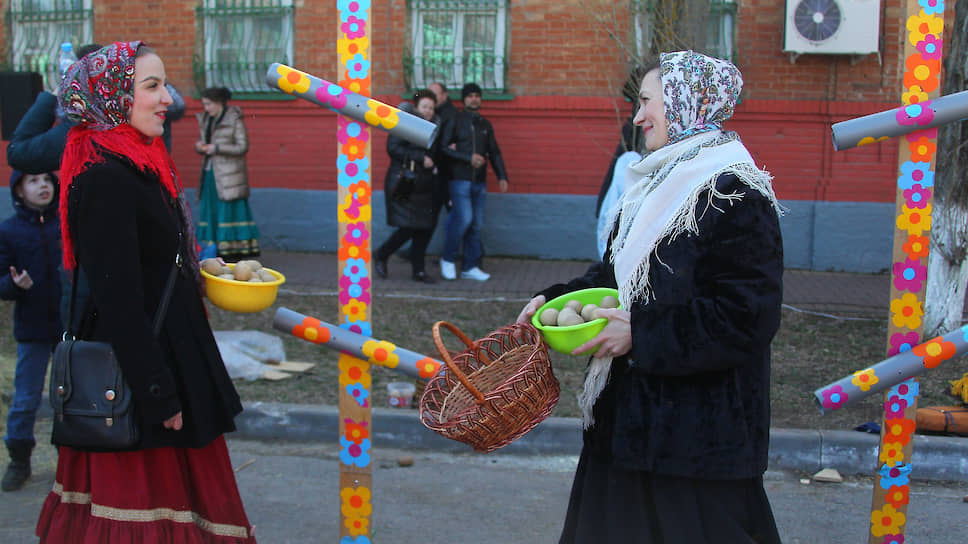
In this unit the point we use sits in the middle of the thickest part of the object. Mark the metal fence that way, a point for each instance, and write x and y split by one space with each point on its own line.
240 39
37 29
457 41
719 25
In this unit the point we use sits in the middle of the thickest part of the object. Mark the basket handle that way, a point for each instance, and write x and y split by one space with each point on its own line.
445 354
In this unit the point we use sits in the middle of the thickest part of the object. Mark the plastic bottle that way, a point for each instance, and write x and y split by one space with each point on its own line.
66 57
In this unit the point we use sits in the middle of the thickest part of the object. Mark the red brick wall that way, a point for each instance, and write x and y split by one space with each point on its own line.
167 26
565 66
554 144
568 47
769 73
4 30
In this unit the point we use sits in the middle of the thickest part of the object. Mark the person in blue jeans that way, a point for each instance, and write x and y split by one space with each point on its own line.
30 256
468 142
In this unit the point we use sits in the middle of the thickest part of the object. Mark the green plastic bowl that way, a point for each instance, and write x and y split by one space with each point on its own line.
566 339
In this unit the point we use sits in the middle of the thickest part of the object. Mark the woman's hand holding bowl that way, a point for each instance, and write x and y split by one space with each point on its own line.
614 340
530 308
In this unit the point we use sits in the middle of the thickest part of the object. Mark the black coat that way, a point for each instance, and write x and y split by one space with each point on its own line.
30 240
38 141
409 201
692 398
125 233
446 113
470 133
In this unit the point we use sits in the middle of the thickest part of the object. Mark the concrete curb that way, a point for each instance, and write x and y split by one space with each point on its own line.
392 428
850 452
942 458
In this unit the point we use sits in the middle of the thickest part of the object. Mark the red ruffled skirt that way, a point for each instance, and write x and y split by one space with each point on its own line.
167 495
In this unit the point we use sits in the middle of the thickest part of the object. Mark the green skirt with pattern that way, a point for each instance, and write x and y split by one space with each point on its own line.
227 224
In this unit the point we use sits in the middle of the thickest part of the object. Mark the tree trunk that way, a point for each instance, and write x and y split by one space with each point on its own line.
948 260
947 272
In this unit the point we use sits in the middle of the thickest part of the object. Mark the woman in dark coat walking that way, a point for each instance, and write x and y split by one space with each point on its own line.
126 224
410 190
676 401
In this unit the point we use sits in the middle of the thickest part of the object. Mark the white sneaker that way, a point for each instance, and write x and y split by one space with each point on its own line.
475 274
447 270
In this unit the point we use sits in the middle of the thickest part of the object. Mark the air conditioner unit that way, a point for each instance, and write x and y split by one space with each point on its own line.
832 27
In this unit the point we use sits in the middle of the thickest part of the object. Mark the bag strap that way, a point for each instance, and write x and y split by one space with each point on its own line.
162 305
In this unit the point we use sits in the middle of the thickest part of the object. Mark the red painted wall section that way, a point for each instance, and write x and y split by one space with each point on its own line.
562 145
791 139
551 144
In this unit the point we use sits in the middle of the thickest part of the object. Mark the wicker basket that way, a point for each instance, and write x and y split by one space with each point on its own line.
493 392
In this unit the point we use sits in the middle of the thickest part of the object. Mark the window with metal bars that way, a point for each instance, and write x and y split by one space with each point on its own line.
720 39
239 40
719 27
458 42
39 27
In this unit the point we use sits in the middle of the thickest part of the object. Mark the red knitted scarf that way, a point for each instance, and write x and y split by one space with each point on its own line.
86 147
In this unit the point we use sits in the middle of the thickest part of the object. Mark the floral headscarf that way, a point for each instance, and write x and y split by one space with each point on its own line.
98 90
97 93
699 92
662 190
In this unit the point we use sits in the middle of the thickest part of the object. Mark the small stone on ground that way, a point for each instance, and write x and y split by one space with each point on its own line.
828 475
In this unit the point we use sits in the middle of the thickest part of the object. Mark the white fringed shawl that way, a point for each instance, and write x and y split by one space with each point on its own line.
662 192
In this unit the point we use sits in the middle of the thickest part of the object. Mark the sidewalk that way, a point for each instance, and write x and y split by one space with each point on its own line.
829 292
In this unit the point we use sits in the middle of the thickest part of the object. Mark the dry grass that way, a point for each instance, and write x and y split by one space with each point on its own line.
809 352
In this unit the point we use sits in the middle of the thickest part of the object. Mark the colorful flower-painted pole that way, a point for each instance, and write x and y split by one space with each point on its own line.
376 352
911 361
353 105
353 216
924 25
900 121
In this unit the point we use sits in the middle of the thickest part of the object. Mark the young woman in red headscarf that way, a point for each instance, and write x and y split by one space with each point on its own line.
123 221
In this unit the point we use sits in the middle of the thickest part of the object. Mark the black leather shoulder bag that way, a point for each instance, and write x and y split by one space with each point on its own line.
92 403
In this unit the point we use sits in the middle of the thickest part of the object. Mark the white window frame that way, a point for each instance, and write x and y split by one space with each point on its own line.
722 25
641 28
461 10
720 34
35 45
251 80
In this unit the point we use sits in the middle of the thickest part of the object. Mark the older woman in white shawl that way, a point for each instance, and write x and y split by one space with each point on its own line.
676 400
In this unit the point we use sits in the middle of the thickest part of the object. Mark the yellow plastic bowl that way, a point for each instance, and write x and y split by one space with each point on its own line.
566 339
242 296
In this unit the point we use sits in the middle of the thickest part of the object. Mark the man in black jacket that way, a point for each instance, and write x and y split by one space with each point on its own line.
446 111
445 108
468 142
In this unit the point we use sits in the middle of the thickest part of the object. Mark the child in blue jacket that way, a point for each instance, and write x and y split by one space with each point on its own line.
30 257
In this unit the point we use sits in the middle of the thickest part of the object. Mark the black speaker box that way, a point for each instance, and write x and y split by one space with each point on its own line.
18 90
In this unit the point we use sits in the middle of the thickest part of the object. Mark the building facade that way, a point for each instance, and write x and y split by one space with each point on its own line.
552 71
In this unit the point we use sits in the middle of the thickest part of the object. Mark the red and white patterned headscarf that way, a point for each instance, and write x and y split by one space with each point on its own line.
98 90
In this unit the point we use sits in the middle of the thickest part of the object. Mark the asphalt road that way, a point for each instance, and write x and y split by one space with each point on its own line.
291 496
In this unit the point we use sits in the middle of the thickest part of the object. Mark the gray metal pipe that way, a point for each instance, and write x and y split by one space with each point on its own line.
899 121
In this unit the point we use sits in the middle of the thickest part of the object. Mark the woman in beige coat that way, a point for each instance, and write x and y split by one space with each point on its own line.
225 219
